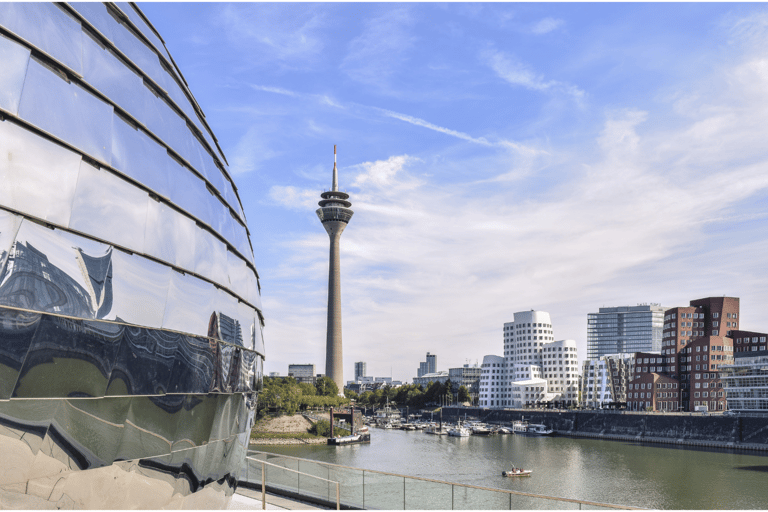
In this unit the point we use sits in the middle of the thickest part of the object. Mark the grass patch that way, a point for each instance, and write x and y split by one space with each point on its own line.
283 435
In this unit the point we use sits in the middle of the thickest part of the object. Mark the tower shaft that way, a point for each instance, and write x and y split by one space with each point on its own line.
333 353
334 213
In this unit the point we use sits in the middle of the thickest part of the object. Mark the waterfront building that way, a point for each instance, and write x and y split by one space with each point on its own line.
653 392
467 376
625 329
360 370
426 379
605 380
745 380
748 341
697 340
302 373
131 342
494 382
533 360
335 214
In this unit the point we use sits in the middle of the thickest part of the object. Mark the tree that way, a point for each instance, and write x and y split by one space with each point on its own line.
350 394
463 394
326 387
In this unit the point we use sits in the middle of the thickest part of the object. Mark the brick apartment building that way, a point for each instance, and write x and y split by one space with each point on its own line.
696 341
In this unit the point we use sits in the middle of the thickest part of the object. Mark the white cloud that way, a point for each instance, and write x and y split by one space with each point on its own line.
251 151
460 135
547 25
379 52
519 73
274 31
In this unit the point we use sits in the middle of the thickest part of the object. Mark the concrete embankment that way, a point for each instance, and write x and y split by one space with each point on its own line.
715 431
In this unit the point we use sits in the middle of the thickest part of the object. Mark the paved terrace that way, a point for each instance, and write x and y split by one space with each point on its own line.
247 499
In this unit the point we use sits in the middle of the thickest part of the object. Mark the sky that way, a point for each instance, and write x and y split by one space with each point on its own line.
499 158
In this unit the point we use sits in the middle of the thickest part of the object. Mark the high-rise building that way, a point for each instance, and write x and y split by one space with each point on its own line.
431 363
335 214
428 366
360 370
625 329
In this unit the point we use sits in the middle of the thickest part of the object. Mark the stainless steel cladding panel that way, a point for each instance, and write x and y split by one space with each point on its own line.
131 346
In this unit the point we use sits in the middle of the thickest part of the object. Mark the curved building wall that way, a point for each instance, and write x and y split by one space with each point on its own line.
130 315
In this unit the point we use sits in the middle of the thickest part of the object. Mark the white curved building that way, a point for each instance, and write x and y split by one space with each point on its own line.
534 369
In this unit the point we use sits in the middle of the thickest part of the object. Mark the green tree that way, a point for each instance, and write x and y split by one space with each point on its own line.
326 387
307 389
463 394
350 394
364 398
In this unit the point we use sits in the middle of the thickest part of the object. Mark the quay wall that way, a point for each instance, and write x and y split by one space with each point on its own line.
692 429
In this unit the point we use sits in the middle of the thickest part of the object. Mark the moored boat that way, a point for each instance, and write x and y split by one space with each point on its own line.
459 431
523 428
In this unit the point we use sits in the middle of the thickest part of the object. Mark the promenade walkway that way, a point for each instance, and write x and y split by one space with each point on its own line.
248 499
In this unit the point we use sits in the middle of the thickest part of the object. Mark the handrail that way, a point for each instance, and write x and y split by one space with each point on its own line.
264 487
506 491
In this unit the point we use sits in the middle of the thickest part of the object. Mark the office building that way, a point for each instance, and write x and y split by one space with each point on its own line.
625 329
426 379
428 366
360 370
302 373
467 376
535 370
605 381
745 380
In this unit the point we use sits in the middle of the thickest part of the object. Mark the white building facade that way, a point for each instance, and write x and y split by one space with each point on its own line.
535 369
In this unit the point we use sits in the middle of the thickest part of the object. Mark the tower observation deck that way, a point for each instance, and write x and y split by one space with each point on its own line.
335 214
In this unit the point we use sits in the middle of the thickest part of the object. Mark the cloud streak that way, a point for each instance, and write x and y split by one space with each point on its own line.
518 73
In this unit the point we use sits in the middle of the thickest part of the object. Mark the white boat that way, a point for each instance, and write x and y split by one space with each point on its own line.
481 430
516 472
436 430
524 428
459 431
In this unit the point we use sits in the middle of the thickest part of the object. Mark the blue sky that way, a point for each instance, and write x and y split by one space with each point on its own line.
499 157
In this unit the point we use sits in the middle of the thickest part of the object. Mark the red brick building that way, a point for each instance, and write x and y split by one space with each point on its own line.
653 391
696 340
749 341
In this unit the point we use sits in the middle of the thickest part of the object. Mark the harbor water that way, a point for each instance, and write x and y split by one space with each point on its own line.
613 472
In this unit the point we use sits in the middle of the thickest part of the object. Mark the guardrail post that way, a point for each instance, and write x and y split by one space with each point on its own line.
263 486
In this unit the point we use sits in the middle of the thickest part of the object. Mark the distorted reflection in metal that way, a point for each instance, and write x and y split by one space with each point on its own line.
131 346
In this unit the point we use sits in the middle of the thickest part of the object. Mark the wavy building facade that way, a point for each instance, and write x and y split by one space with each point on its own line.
131 344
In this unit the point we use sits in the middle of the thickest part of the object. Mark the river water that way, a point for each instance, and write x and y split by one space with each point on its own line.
614 472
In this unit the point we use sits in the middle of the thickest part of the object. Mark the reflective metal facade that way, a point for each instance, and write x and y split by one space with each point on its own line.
130 316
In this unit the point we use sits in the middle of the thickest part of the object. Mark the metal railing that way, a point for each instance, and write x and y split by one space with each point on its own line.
368 489
299 474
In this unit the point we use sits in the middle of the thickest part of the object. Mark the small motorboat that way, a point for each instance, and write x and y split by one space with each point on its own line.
516 472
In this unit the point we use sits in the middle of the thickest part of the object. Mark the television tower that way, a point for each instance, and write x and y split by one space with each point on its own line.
334 213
